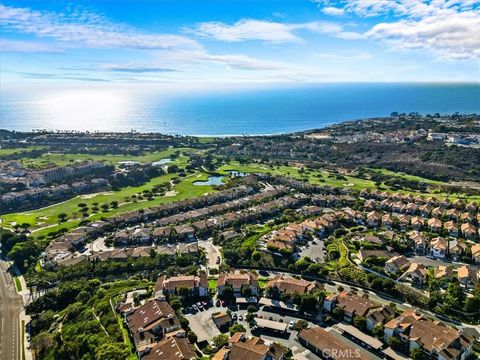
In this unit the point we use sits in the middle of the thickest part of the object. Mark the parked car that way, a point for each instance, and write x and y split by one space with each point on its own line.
240 317
194 309
217 303
291 324
234 316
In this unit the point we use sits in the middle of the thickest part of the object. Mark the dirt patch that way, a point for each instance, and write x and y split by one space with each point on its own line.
171 193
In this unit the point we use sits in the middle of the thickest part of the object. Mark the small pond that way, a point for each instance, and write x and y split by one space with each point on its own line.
212 180
162 162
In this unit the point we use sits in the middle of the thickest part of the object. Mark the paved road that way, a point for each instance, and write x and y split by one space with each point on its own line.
11 304
212 252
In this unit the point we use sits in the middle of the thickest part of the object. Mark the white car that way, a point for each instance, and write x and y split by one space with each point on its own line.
291 324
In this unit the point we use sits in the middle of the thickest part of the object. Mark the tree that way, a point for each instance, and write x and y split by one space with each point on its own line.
220 340
360 322
394 343
176 304
184 323
192 337
300 325
113 351
249 317
41 344
236 328
246 291
251 308
378 331
183 291
455 296
338 313
309 302
419 354
62 217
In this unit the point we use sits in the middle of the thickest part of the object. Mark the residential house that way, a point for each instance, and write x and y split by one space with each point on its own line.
434 224
175 347
161 233
419 242
438 247
254 349
151 322
222 320
290 285
451 228
238 281
331 346
467 276
469 231
456 249
476 253
416 274
196 285
141 236
374 218
387 221
444 274
352 305
396 264
184 232
379 316
438 340
417 223
453 214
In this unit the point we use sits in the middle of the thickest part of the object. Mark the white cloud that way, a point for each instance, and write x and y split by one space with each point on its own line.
268 31
349 56
333 11
7 45
447 28
80 29
248 30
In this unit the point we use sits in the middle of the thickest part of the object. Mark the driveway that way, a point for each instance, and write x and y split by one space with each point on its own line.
211 251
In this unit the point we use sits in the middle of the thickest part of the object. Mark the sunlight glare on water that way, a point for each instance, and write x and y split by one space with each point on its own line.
85 109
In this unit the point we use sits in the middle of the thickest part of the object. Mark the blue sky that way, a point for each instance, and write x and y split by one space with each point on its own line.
198 42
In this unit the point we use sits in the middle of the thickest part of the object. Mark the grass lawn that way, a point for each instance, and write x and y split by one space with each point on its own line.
38 267
212 284
262 282
4 152
65 159
48 216
18 284
126 337
23 339
406 176
323 177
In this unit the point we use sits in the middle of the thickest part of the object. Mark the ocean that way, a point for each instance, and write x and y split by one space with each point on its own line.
226 112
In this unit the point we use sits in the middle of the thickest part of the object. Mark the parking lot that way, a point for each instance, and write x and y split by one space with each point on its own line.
202 324
314 249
